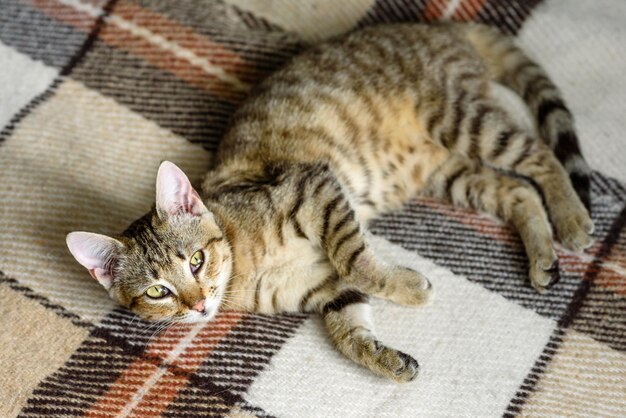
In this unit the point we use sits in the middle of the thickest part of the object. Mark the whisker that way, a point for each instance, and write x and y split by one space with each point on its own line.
235 304
160 327
232 292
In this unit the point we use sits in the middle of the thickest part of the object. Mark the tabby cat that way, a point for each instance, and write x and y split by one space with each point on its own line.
349 130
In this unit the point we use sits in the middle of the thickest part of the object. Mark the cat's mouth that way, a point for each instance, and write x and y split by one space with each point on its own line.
208 313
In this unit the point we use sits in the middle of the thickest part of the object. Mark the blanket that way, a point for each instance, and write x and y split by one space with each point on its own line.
95 93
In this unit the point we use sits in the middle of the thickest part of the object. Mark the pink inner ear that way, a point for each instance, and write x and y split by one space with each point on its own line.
174 192
95 252
103 276
194 203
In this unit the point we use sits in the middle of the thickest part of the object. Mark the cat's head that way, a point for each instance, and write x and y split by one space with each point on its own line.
171 264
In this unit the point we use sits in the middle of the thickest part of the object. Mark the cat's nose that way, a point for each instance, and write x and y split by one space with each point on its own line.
199 306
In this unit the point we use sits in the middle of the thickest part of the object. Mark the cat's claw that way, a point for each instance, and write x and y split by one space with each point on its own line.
396 365
409 368
545 273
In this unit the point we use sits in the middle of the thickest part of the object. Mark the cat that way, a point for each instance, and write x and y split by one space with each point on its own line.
351 129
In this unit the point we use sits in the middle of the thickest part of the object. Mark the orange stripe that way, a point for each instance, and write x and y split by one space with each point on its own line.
612 281
609 278
65 14
434 9
229 61
123 390
468 10
618 253
154 402
138 46
491 228
188 39
159 395
568 262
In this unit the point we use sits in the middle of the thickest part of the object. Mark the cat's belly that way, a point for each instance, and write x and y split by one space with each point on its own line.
399 158
280 278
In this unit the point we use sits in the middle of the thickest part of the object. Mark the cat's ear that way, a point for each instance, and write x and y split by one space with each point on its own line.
96 253
174 193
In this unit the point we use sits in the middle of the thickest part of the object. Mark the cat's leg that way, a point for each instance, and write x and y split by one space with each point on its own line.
468 183
347 314
322 211
482 130
536 161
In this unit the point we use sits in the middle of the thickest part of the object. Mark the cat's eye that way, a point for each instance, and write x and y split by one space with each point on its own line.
196 261
157 291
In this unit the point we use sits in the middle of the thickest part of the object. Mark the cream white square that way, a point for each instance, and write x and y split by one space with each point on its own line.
21 78
474 348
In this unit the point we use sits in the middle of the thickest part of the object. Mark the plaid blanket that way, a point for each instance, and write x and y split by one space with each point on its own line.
94 93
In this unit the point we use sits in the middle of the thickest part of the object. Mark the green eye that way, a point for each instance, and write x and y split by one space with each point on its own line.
196 261
157 292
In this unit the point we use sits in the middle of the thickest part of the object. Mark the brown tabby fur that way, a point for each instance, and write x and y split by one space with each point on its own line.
349 130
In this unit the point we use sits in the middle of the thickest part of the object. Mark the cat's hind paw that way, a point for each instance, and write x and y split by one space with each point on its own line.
544 273
574 227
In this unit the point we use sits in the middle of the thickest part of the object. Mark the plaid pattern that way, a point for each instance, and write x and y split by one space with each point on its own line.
95 93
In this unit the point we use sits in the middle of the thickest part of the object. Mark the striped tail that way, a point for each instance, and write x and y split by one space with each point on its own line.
510 67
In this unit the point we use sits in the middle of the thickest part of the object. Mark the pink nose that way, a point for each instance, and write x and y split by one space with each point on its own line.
199 306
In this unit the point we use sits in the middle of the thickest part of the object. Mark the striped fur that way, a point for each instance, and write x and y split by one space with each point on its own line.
555 123
349 130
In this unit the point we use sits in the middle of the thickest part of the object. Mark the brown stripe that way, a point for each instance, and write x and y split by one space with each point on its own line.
566 146
547 107
328 211
355 254
257 294
459 114
347 217
502 143
452 178
343 240
582 185
311 292
301 190
476 128
535 86
525 152
214 240
347 297
327 179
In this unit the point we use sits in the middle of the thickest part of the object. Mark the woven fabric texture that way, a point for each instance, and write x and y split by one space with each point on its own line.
95 93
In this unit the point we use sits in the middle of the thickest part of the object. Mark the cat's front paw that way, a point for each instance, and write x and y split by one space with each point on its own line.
408 287
393 364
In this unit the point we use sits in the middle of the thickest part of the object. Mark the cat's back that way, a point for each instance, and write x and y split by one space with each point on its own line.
361 74
352 103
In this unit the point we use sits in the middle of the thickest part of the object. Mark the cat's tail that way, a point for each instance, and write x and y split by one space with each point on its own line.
510 67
